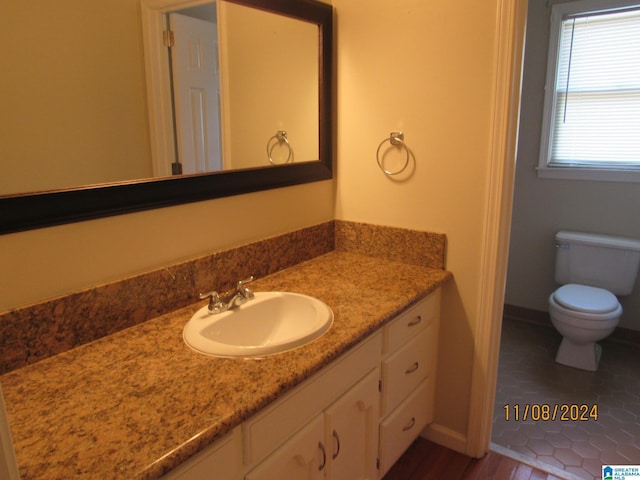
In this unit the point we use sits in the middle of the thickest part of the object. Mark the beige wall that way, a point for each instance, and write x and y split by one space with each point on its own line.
544 206
424 68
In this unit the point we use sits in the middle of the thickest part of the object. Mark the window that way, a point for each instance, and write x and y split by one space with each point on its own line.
591 127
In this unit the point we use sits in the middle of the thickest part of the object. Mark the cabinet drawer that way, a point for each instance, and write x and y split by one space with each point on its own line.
403 425
273 425
406 368
409 323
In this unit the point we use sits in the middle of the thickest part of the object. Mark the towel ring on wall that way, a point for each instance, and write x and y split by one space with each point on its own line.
280 137
396 139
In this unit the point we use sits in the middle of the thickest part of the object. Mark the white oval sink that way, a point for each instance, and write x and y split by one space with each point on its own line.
272 322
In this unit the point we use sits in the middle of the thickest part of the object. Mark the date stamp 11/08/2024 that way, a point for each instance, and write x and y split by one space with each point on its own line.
565 412
568 412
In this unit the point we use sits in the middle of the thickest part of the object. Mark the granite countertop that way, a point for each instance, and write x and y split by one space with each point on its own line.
139 402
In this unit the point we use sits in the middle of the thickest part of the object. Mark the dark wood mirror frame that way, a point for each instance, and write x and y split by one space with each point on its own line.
37 210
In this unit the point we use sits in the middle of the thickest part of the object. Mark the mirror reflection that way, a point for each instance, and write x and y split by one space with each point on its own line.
89 100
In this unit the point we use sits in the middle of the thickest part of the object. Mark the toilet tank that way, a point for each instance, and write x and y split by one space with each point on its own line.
597 260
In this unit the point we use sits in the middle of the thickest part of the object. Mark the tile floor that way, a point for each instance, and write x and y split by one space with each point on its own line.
528 375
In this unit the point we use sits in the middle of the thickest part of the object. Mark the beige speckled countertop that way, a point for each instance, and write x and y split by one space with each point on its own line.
137 403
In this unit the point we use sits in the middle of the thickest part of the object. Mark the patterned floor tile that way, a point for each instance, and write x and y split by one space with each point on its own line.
532 384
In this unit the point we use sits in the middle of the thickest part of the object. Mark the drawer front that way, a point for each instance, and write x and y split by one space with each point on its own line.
406 368
409 323
403 425
269 428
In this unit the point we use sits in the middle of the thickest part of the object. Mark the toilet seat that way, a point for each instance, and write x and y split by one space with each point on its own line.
586 299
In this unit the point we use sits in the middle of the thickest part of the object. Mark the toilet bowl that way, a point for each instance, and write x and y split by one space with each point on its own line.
592 268
583 315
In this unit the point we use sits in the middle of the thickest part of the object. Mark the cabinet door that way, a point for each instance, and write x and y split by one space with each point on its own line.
302 457
351 432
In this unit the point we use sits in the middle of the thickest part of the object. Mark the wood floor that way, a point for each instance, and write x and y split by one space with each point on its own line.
425 461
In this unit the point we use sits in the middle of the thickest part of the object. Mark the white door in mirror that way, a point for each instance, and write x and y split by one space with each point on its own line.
272 322
196 94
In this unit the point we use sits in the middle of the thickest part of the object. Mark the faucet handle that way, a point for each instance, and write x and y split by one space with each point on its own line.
243 289
215 304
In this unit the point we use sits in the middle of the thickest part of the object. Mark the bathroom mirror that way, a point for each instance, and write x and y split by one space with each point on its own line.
43 206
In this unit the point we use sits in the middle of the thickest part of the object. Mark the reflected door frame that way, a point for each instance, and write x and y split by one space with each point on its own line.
196 94
158 74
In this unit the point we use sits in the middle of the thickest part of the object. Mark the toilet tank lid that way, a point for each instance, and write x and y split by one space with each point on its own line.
598 240
583 298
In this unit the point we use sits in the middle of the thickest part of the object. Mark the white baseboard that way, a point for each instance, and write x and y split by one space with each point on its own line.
446 437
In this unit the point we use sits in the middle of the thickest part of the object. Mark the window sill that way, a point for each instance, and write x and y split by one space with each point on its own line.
589 174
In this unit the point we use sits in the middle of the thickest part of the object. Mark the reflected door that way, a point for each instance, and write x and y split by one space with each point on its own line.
196 93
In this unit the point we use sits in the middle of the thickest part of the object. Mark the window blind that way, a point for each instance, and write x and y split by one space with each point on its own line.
597 106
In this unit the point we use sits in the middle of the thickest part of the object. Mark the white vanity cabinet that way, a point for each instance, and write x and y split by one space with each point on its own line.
338 444
338 411
350 421
407 380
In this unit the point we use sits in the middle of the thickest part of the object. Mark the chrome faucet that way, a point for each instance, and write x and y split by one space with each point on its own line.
233 298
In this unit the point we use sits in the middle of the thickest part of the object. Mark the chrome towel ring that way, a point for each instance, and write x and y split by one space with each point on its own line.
280 137
395 139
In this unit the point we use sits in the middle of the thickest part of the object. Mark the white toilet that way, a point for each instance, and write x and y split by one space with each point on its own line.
592 270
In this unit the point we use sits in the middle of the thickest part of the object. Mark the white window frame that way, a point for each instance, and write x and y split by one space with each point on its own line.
574 172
